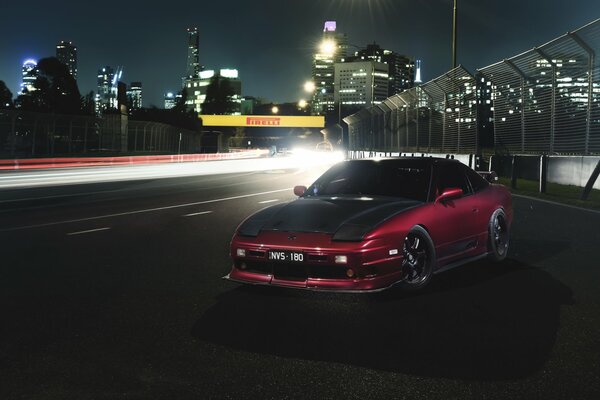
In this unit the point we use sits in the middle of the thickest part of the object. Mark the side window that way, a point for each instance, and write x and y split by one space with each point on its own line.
477 181
451 175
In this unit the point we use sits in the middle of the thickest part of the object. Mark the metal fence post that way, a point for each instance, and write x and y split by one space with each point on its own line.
85 135
444 122
543 173
523 77
513 173
591 61
13 141
553 103
590 183
34 134
70 135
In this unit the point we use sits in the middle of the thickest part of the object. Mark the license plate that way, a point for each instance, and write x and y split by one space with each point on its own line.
286 256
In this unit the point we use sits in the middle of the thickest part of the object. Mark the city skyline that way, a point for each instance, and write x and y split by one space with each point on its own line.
270 44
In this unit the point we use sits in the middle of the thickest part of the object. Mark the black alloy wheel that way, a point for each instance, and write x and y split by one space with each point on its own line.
418 257
499 235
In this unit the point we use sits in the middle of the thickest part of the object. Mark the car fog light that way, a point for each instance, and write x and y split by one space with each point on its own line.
341 259
241 252
243 266
350 273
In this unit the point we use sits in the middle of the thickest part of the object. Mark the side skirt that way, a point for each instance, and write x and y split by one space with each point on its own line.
460 262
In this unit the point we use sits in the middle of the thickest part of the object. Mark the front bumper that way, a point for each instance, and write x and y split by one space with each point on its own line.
367 285
371 265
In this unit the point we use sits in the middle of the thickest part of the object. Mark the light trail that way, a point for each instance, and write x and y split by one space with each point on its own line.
55 177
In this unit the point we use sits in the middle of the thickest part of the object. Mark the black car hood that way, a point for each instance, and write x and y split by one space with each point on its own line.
345 218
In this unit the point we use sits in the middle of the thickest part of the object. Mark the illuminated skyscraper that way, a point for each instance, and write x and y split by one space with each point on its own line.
196 88
66 53
331 49
401 67
361 83
106 96
418 72
170 100
193 58
134 95
29 74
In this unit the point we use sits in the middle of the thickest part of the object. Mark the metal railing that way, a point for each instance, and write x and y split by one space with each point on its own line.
546 100
27 134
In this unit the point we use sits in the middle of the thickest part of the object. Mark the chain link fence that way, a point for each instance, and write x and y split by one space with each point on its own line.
27 134
546 100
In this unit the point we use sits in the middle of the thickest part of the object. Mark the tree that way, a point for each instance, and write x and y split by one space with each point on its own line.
238 137
55 89
6 100
88 104
180 115
219 97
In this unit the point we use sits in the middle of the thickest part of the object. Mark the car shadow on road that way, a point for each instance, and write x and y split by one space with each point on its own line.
482 321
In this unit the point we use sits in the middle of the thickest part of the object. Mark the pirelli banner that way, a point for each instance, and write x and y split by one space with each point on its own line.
264 121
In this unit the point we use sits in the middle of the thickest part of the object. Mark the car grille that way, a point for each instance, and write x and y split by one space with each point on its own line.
297 271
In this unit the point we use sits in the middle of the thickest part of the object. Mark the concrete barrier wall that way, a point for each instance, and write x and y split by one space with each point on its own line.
572 170
527 167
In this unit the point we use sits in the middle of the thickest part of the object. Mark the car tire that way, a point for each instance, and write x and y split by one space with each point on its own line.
498 235
418 259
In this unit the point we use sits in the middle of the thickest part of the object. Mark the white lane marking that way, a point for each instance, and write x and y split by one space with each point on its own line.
89 231
557 204
56 196
268 201
144 211
198 213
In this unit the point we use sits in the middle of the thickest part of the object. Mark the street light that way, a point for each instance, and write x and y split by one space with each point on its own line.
327 47
275 110
309 86
454 33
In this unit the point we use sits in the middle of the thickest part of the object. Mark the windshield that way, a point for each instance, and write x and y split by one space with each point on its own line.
373 178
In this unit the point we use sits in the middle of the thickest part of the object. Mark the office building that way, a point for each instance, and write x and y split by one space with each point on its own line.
418 78
66 53
361 83
331 50
107 92
196 88
29 75
401 67
193 55
134 95
170 100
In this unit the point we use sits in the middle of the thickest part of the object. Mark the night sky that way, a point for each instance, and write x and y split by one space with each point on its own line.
270 41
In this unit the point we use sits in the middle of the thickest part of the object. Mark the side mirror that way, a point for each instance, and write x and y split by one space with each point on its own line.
299 190
449 194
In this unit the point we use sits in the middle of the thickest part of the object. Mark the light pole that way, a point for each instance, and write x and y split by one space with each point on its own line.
454 32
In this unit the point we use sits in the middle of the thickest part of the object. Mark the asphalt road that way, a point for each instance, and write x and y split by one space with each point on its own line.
114 291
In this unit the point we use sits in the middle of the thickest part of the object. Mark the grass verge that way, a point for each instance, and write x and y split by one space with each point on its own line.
554 192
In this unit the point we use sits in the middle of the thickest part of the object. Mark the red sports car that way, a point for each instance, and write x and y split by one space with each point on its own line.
366 225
